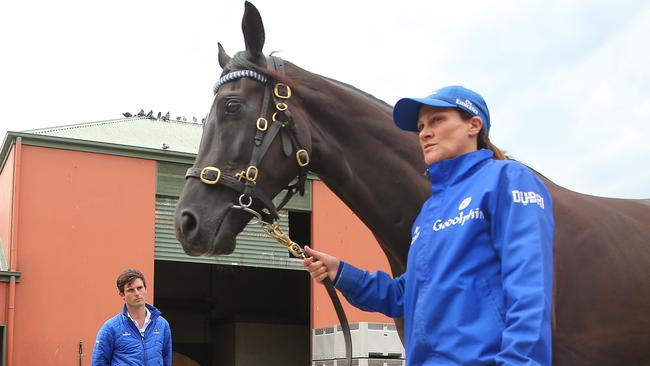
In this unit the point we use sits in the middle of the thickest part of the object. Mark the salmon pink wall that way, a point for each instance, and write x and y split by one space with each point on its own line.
83 218
338 231
6 196
4 289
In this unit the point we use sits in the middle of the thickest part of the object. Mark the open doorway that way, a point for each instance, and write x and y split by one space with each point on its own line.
235 315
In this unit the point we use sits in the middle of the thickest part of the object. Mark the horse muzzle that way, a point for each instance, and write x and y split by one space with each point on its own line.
199 237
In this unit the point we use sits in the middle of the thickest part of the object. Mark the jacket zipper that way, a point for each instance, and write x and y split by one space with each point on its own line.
144 356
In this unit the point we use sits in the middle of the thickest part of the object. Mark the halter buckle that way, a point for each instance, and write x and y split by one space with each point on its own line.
208 170
281 106
302 157
275 119
250 174
277 90
262 124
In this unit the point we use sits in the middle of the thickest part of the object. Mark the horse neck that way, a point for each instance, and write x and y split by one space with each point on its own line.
371 165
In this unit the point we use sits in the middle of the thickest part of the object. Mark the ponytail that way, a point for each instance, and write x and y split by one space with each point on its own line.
485 143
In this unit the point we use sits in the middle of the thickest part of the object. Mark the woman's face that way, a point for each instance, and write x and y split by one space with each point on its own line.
445 135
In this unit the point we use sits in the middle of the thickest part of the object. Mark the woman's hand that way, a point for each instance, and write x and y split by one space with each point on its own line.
320 265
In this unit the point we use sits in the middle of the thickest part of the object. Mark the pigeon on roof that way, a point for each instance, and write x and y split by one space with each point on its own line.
178 118
127 114
141 113
184 119
194 119
150 114
166 117
159 114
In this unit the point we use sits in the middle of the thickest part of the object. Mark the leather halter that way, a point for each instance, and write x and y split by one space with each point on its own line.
245 181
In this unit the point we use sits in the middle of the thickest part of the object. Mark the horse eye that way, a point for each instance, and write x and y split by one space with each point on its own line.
233 106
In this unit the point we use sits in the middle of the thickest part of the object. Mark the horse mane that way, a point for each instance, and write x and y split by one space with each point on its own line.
240 62
359 91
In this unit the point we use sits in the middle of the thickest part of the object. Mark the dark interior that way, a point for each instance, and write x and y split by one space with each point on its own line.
221 314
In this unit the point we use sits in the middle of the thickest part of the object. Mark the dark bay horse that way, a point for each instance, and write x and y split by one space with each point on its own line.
601 247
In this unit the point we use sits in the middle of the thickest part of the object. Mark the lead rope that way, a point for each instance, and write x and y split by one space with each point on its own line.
274 231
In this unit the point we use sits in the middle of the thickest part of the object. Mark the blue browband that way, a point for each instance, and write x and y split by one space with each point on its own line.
236 75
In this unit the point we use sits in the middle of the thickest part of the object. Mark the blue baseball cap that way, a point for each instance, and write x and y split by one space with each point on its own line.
405 113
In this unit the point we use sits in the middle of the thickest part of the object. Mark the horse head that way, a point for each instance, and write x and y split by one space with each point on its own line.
253 145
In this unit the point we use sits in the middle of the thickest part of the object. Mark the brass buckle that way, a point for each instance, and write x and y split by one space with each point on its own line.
250 174
210 169
277 91
240 175
274 119
281 106
262 124
302 157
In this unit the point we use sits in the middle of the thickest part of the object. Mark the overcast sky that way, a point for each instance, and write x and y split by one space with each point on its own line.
567 82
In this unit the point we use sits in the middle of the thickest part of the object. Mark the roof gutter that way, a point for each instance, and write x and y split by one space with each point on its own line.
92 146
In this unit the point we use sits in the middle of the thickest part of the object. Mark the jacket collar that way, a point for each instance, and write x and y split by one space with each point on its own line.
152 309
450 171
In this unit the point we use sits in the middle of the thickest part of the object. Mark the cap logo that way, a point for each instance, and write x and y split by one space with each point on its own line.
467 104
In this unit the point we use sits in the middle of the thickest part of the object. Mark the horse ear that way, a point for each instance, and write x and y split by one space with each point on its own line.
253 30
223 56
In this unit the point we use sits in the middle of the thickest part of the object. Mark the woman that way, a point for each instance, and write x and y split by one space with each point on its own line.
477 286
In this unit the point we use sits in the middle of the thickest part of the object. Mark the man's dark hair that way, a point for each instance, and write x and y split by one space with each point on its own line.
127 276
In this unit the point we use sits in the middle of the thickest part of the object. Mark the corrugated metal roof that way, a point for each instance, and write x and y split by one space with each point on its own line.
134 131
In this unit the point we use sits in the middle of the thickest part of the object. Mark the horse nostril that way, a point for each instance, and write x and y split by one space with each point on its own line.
188 222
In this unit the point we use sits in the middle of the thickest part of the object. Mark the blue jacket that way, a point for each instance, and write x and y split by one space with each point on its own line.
479 275
119 342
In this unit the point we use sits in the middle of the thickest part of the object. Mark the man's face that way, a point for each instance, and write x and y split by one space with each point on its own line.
135 294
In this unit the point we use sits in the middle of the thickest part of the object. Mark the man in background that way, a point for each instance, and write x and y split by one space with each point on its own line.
138 335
